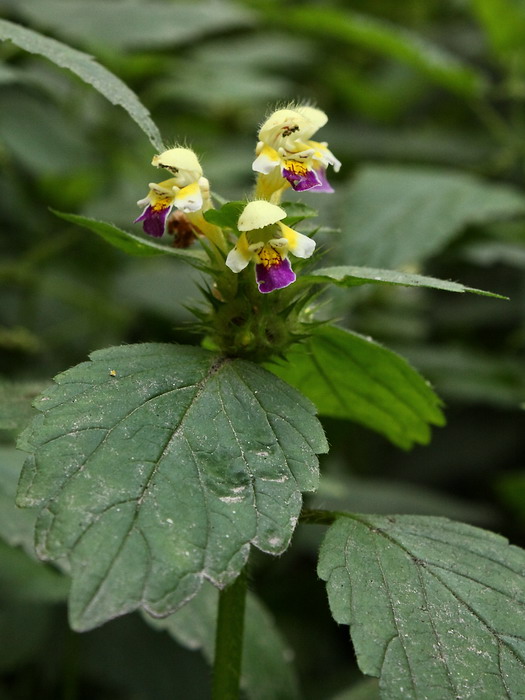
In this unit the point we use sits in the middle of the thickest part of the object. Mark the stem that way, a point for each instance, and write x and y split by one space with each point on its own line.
229 640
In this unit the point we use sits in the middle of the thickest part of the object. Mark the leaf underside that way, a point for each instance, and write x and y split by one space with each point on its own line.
157 466
353 276
132 244
436 608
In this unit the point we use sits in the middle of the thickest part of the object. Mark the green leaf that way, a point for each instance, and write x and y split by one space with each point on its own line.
91 72
151 25
297 212
133 244
227 216
156 466
349 376
436 608
398 215
352 276
389 40
267 672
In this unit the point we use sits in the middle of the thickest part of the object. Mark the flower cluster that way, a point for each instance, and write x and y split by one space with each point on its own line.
285 157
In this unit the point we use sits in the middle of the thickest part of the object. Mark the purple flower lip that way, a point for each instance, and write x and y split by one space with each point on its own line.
272 277
323 184
302 181
153 220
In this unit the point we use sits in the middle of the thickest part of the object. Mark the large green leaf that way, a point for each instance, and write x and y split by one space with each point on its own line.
436 608
397 215
124 24
389 40
156 466
349 376
88 70
267 672
353 276
133 244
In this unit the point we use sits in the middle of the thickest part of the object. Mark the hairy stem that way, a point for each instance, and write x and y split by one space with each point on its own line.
229 640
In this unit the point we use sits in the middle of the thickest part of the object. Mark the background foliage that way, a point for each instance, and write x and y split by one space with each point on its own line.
426 114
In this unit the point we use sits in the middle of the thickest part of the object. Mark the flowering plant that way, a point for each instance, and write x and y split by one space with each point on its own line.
154 470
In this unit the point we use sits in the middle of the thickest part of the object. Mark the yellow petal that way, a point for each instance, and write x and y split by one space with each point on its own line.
189 198
178 159
316 117
259 214
266 161
239 256
298 244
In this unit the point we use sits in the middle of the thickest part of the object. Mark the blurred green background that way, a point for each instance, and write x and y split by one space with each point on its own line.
426 107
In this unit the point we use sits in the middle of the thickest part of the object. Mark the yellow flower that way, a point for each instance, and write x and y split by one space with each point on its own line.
267 241
187 191
287 157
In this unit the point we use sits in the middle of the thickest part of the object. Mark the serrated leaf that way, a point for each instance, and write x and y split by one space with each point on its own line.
352 276
157 466
349 376
151 25
399 215
91 72
131 243
436 608
388 39
267 672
